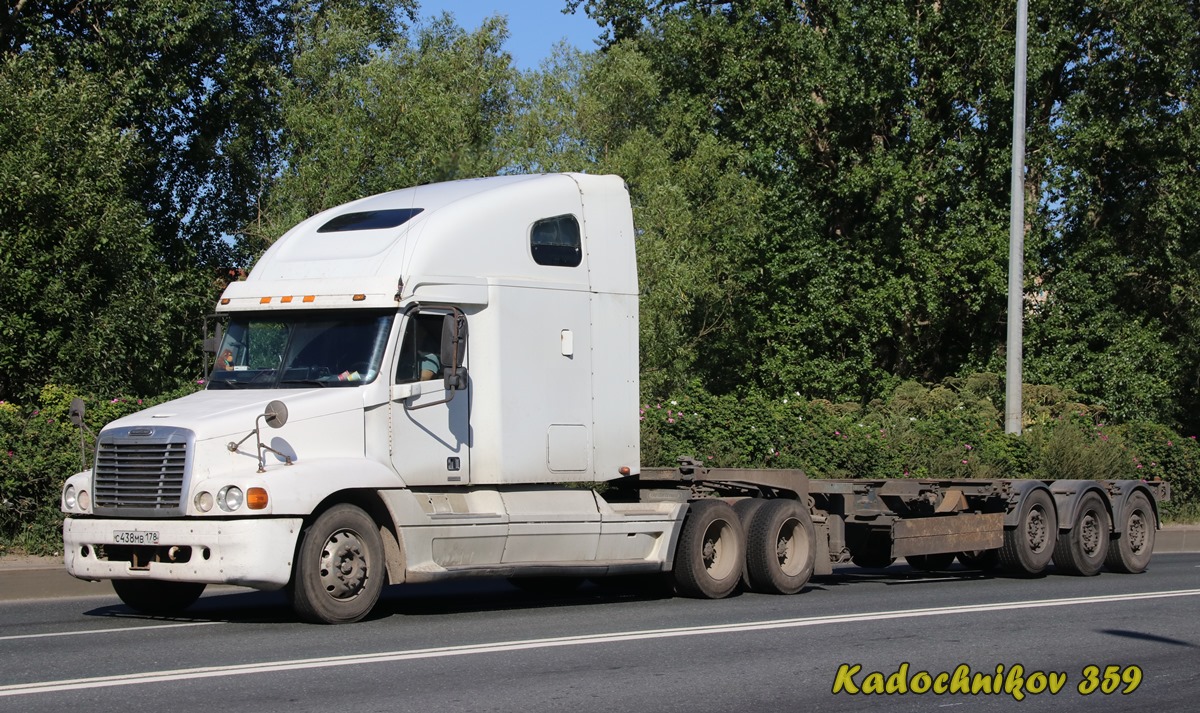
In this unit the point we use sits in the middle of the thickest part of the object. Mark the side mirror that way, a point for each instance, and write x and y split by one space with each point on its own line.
456 379
454 350
276 414
76 412
213 343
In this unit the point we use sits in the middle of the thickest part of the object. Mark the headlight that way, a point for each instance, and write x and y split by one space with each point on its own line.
69 497
204 501
229 498
85 500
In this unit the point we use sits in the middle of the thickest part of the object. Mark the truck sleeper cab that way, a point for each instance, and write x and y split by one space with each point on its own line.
429 384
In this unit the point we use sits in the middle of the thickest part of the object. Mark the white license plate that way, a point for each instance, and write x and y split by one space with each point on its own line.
135 537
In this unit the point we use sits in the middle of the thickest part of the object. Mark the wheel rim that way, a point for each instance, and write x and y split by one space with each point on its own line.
344 565
788 547
1089 535
1136 531
718 559
1037 530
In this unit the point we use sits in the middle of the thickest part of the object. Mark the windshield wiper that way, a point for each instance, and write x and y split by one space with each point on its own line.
226 384
318 382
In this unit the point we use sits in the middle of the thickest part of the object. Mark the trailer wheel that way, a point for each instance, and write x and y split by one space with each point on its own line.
152 596
1082 549
939 562
780 552
1029 546
339 568
1130 551
711 551
980 560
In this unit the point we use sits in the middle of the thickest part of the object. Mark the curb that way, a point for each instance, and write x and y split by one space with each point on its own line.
24 578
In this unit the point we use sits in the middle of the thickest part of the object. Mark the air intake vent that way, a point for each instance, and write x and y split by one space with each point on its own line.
141 476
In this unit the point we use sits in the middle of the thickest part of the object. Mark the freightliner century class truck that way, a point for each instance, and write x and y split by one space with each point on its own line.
435 383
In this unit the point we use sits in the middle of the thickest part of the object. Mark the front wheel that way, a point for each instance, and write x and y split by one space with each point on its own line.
711 551
152 596
339 567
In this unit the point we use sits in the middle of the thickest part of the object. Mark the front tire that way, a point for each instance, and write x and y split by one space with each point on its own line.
711 551
339 568
152 596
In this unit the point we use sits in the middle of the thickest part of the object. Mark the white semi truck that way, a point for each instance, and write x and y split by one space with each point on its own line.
442 382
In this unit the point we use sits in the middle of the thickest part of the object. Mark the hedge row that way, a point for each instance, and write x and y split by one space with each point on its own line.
39 449
949 430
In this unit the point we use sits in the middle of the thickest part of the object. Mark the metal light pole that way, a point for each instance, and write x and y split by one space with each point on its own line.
1016 237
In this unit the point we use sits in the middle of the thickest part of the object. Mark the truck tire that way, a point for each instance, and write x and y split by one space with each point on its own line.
746 509
711 551
1082 549
939 562
152 596
780 548
1130 551
980 560
1029 546
339 570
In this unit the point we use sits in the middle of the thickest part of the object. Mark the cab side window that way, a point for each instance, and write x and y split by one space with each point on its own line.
556 242
420 349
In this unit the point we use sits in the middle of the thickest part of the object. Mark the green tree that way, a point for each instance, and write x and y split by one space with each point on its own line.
364 114
1119 314
83 297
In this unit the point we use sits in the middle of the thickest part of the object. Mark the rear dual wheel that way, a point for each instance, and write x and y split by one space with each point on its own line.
711 551
780 548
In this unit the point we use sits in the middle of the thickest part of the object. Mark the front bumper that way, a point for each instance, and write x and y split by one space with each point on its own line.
249 552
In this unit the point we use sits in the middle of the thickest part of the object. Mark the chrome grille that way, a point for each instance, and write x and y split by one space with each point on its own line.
142 473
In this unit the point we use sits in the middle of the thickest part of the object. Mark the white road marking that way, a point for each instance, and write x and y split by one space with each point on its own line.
614 637
109 631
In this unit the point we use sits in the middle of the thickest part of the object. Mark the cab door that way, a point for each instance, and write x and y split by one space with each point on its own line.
430 400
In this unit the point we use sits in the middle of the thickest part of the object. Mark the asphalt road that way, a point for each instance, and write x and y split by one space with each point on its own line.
484 646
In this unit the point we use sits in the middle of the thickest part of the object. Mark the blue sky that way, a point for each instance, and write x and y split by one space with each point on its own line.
534 26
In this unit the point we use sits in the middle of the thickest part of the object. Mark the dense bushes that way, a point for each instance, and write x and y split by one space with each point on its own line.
950 430
39 449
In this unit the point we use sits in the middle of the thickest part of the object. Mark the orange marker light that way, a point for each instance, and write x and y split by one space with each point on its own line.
224 300
359 298
256 498
286 300
309 298
623 470
264 300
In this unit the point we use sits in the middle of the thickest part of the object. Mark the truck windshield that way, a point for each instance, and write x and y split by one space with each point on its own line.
284 350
